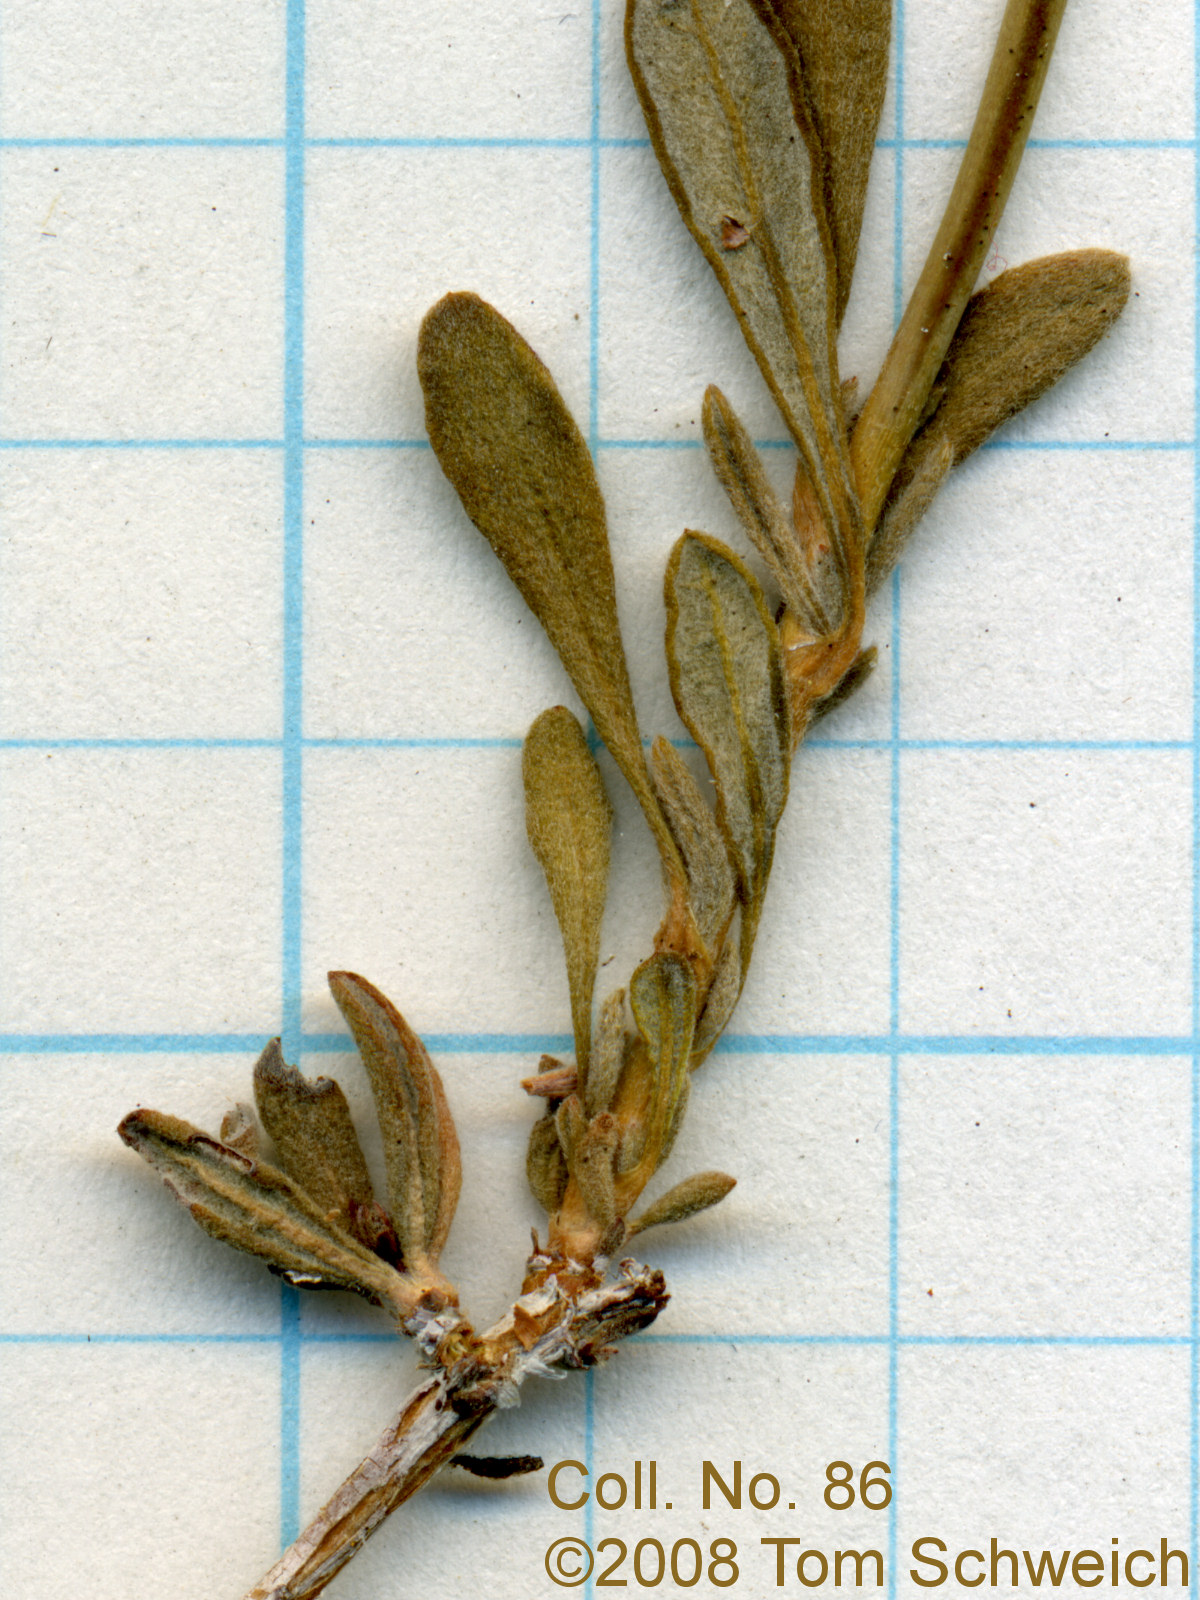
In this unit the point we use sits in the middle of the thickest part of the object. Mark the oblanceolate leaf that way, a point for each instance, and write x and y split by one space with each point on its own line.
843 49
719 87
521 468
569 819
762 515
697 1193
711 889
723 655
607 1055
662 993
317 1146
420 1145
1017 338
257 1208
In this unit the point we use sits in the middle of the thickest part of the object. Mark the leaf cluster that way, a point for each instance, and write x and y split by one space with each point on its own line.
763 116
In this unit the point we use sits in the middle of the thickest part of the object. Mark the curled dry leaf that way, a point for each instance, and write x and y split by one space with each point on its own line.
505 439
316 1144
719 88
726 677
259 1209
546 1165
694 1194
420 1145
843 49
569 819
240 1131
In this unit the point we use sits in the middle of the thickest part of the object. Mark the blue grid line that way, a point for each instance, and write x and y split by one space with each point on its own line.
818 1044
16 442
68 443
1194 1220
490 142
291 907
505 742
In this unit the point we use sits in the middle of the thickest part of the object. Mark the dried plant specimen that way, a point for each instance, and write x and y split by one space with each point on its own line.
763 115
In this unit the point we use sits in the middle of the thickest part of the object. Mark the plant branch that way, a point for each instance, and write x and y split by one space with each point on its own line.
1014 85
566 1318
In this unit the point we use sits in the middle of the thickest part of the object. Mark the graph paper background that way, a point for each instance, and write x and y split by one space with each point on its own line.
262 691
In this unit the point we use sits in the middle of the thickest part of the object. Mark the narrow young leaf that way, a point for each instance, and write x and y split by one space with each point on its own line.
568 818
520 466
607 1055
843 50
317 1146
723 994
765 521
420 1145
719 89
723 655
711 887
662 993
257 1208
694 1194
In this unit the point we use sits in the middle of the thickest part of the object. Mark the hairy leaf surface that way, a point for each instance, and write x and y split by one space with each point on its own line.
420 1145
569 820
723 655
521 468
257 1208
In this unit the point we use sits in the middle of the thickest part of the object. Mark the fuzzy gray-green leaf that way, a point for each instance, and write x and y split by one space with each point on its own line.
420 1145
662 993
723 655
711 888
719 90
607 1055
314 1137
723 994
257 1208
765 521
1018 336
569 820
843 48
697 1193
521 468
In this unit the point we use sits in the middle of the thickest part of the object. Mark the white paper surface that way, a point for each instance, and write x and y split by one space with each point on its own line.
262 690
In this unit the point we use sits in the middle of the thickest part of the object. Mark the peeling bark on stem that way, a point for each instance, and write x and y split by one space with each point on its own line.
554 1327
989 165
